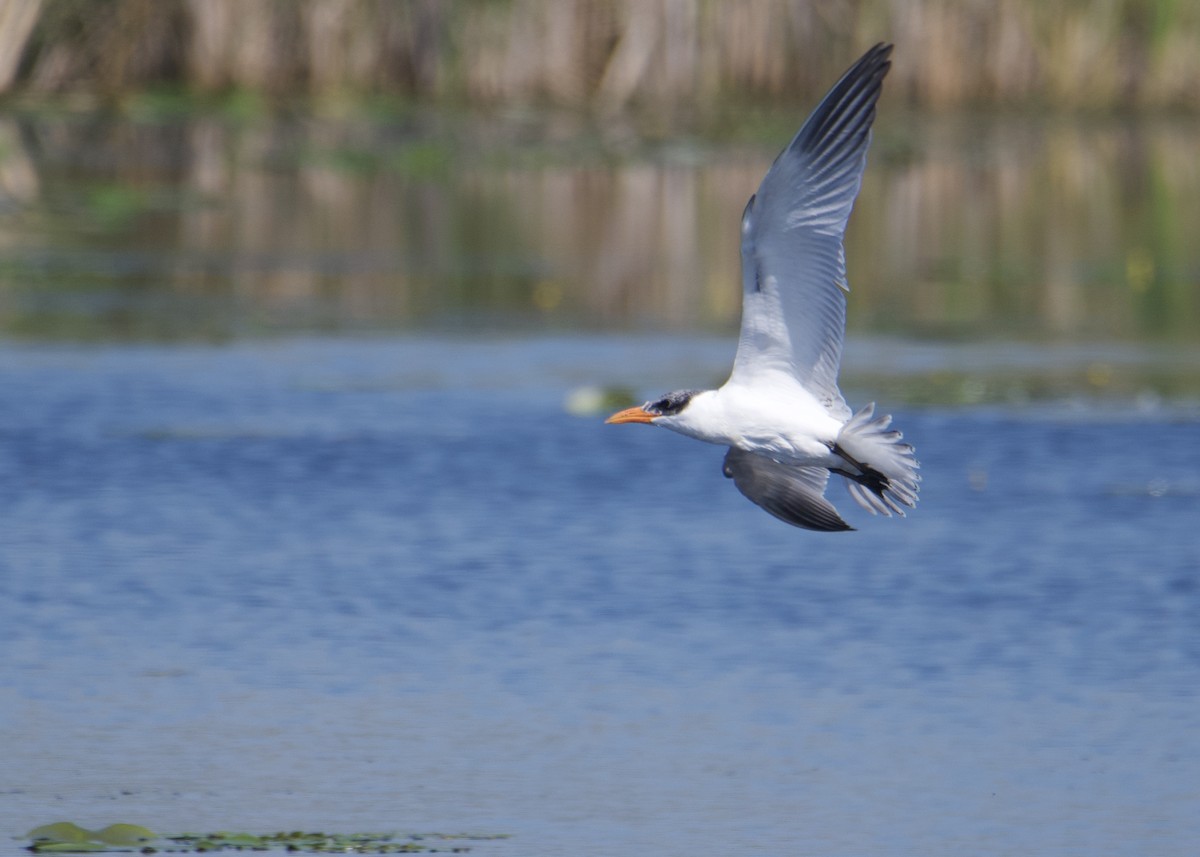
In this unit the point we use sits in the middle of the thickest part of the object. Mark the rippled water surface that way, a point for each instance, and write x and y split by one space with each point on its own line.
393 584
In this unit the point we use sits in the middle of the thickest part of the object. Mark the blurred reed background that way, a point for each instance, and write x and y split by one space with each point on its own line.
217 167
610 53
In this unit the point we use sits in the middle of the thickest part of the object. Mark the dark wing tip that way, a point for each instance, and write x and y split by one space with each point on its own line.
849 107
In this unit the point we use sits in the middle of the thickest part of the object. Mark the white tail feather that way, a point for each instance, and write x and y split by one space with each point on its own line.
882 470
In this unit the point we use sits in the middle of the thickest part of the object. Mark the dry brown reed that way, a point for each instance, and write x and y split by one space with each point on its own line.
610 54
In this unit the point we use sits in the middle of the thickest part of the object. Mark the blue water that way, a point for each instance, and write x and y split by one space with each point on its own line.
394 585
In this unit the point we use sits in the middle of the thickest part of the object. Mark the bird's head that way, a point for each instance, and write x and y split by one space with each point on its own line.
660 410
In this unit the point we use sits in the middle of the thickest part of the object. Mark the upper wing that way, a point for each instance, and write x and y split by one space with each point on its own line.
790 493
793 265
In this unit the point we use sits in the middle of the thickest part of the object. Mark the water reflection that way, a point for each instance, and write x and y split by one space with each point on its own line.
967 227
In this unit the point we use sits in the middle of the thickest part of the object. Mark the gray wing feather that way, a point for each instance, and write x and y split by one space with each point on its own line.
793 264
790 493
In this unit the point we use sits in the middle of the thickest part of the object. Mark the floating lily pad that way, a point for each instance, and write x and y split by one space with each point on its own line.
124 834
61 831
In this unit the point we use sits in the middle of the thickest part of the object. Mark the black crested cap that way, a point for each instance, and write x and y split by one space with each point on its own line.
670 404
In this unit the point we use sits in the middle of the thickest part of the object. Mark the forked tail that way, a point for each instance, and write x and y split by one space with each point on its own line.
880 469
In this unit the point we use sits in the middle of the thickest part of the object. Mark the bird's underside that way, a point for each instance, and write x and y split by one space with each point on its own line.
795 493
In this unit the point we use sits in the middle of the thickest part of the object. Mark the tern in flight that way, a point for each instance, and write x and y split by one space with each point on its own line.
781 413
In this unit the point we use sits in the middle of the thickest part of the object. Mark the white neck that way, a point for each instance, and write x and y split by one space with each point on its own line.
704 418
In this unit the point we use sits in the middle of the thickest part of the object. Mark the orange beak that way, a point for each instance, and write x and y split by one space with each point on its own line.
631 415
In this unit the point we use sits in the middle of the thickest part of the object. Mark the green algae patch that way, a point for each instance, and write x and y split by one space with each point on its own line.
65 837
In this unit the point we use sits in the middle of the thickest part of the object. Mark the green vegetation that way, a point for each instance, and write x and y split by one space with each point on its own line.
65 837
1096 382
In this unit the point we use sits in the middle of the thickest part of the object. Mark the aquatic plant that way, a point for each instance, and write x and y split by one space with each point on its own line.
65 837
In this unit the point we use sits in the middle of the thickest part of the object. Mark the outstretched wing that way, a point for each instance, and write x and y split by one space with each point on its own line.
793 264
792 494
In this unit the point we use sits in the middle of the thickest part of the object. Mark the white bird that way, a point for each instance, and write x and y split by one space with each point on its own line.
781 413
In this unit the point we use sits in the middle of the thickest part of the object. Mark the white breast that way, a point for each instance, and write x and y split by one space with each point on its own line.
779 419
